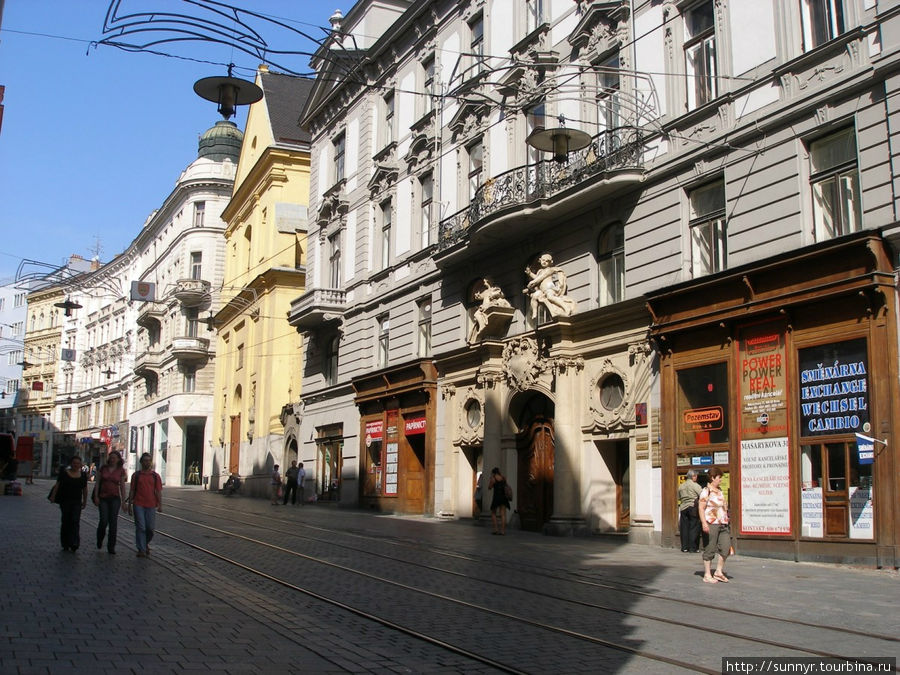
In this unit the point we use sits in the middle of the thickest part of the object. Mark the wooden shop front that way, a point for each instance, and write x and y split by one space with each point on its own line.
784 375
397 431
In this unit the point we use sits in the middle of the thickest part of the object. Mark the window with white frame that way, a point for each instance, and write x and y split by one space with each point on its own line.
65 421
196 265
388 109
18 299
534 15
334 260
384 340
535 118
700 54
190 379
428 84
834 179
424 332
707 225
12 386
339 150
612 264
386 224
476 45
192 321
18 327
475 153
331 361
822 20
426 189
609 90
199 213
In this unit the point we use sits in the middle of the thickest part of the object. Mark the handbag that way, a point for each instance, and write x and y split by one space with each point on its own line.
50 495
507 491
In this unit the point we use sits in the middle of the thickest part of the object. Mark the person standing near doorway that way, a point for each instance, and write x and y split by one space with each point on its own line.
688 512
275 485
290 489
499 502
145 497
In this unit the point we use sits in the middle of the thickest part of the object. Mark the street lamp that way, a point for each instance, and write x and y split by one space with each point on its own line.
560 141
68 306
227 92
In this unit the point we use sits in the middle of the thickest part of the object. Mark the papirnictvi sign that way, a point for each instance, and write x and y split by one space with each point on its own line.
834 390
762 376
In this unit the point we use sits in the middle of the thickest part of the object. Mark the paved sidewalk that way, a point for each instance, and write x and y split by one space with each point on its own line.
90 611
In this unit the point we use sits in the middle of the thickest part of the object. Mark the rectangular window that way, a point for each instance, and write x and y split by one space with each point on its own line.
476 164
823 20
426 184
384 344
707 212
190 380
84 414
66 419
331 361
700 54
196 265
424 333
834 180
386 235
192 321
535 119
609 95
612 265
339 148
12 386
476 45
534 15
240 357
18 299
702 402
334 260
199 213
428 84
388 118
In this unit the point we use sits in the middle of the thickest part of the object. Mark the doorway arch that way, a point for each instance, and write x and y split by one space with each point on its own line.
536 451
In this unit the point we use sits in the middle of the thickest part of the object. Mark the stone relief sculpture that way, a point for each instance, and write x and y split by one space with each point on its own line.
547 287
491 297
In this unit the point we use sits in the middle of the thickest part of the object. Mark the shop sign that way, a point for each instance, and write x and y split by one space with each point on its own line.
865 448
414 425
37 385
765 486
861 513
682 461
374 432
763 381
720 457
704 419
834 391
702 460
811 513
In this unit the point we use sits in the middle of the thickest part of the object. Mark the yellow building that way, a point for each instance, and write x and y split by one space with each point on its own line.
258 363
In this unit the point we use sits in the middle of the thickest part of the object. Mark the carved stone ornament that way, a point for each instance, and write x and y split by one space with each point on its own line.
547 286
493 314
610 416
470 418
522 363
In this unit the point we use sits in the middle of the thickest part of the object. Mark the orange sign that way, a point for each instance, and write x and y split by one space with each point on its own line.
703 419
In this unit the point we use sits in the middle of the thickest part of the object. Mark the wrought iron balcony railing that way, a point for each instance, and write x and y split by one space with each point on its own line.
609 152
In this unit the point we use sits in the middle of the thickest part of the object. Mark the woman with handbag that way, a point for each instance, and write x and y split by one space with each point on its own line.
713 509
70 492
109 494
499 502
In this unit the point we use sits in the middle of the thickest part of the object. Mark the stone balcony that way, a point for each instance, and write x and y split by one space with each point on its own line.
529 199
149 315
191 292
148 362
316 307
190 349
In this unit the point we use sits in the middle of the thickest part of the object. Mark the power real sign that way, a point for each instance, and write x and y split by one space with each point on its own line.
765 467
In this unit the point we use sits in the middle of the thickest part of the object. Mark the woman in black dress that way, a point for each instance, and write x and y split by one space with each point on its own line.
70 492
499 502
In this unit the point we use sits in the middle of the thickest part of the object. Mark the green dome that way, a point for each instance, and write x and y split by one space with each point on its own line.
221 141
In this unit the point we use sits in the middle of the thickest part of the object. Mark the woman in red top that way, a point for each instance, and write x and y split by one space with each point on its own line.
146 496
109 493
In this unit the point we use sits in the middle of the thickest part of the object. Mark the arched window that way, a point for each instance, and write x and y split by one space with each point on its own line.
612 264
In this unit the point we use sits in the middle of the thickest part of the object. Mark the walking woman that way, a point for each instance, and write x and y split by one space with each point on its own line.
70 492
109 494
499 502
713 510
146 497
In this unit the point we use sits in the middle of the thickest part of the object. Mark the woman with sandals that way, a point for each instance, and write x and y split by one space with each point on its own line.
713 508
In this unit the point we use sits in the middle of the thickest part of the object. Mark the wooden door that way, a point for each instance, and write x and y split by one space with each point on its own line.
412 455
234 450
534 498
622 478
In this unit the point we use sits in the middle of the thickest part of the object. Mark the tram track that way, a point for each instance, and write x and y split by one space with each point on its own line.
540 625
542 573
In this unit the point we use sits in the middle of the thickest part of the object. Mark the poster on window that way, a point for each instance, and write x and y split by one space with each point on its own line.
861 513
811 513
763 381
834 392
391 462
765 486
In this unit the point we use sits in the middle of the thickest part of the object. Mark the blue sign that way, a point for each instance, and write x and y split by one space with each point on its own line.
702 460
865 446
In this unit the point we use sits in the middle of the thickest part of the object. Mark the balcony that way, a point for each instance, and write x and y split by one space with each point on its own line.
150 315
148 362
316 307
535 196
190 349
191 292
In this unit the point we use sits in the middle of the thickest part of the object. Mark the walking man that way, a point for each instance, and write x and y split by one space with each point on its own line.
291 489
689 517
145 497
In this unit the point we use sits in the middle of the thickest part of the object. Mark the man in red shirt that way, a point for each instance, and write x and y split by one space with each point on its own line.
146 499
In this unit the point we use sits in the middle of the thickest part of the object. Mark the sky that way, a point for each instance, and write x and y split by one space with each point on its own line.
93 138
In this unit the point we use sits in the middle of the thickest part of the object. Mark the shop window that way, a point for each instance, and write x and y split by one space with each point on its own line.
329 462
700 54
823 20
834 179
703 402
836 491
707 225
612 264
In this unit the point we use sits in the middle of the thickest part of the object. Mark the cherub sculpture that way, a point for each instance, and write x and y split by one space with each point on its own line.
491 296
547 287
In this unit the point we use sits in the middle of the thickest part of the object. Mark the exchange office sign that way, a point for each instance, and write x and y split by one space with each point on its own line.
834 391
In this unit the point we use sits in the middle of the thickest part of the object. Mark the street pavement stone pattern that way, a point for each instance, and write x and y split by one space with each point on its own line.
176 611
